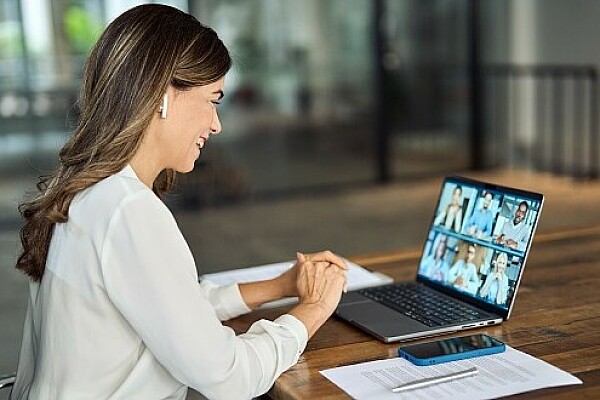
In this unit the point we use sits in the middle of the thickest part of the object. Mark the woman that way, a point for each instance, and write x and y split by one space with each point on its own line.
495 287
434 266
115 308
451 215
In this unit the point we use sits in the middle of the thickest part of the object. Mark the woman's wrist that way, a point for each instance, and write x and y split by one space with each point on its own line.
312 315
257 293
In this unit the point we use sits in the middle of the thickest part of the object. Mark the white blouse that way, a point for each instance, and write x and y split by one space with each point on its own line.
119 313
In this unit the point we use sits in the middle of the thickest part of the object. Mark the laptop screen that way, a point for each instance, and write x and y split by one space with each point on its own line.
478 241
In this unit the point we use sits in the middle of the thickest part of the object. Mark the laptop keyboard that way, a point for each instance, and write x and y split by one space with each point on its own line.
422 304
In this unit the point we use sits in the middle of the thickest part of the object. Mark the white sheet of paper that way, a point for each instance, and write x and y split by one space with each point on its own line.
358 277
502 374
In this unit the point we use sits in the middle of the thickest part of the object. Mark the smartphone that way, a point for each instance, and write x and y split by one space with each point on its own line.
457 348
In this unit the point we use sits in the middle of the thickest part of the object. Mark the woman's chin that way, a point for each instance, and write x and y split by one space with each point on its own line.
184 169
189 165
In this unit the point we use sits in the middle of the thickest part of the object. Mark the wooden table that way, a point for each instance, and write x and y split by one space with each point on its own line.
556 318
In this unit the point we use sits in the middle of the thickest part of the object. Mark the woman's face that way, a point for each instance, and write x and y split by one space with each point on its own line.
191 120
456 196
501 264
441 249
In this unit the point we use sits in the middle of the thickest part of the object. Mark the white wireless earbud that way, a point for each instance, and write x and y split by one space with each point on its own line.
163 107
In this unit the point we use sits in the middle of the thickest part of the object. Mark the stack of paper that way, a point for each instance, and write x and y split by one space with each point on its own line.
502 374
358 277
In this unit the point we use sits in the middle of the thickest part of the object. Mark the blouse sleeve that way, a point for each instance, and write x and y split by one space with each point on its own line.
150 276
226 300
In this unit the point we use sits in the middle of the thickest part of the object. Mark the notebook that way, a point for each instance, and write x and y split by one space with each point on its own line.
470 268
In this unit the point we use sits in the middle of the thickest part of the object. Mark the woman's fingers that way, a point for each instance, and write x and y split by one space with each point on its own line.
319 279
331 270
300 257
328 256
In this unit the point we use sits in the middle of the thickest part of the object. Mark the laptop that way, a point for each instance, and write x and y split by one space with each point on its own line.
470 268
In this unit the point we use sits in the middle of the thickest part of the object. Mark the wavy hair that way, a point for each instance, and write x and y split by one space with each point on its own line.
137 57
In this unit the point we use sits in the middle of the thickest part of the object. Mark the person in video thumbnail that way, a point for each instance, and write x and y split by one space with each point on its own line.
480 223
514 233
495 287
451 215
434 266
463 274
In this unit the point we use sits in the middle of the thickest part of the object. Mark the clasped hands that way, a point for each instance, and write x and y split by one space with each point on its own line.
503 240
317 278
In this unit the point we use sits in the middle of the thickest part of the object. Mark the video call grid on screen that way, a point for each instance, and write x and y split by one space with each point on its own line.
477 241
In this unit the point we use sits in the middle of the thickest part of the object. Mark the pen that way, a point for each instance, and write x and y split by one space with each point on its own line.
435 380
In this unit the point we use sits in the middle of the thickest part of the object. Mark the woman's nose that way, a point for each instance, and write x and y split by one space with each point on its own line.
215 126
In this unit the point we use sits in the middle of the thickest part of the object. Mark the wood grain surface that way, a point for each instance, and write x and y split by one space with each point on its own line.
556 318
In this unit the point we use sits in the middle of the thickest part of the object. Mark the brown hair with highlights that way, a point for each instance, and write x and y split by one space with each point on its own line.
136 58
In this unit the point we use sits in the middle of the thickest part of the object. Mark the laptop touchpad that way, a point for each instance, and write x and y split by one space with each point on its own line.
376 317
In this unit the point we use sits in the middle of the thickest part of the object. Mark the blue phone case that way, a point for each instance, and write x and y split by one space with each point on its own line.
451 357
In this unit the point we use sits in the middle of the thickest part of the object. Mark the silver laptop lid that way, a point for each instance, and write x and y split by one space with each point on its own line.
478 242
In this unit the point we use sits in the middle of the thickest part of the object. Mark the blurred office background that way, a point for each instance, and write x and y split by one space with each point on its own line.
333 112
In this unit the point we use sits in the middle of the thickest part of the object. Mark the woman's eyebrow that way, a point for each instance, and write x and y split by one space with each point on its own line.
220 93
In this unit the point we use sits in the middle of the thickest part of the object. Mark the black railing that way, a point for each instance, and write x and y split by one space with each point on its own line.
543 117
